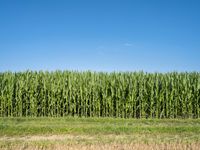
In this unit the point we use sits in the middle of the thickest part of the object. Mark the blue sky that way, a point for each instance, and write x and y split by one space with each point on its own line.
100 35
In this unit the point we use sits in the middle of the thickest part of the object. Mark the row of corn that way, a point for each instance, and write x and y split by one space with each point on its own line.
100 94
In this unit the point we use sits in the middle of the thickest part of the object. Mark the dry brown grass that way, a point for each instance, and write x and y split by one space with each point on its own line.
113 146
86 142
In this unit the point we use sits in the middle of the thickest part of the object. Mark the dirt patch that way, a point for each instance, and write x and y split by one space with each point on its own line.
46 137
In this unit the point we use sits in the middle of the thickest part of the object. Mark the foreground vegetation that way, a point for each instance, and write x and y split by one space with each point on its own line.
113 146
92 126
91 94
98 133
89 110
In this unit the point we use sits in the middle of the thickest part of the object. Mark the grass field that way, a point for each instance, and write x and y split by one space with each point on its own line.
99 133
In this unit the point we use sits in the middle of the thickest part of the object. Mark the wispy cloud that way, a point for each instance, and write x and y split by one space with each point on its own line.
128 44
100 50
100 47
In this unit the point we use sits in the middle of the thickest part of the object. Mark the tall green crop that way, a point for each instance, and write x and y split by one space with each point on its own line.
99 94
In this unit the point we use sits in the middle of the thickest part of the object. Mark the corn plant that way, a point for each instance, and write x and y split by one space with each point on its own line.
100 94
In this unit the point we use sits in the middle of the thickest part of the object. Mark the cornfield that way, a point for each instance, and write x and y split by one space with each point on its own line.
100 94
